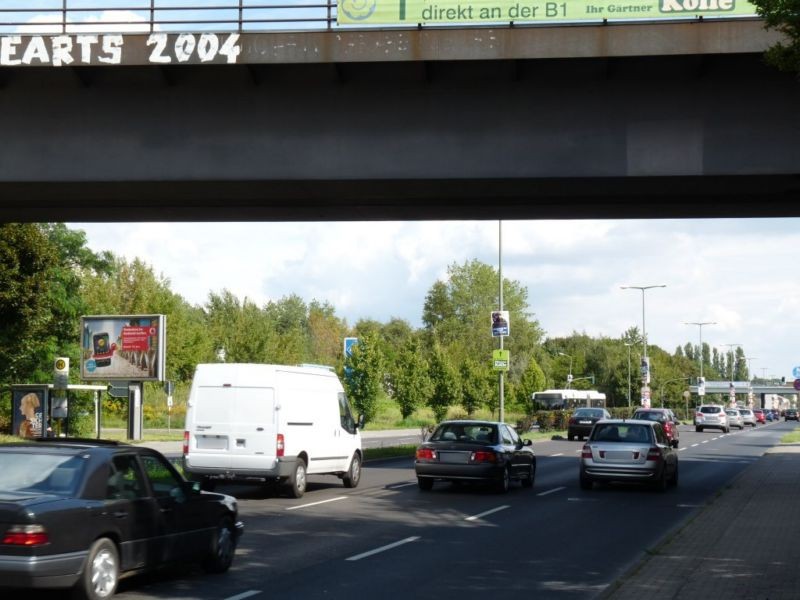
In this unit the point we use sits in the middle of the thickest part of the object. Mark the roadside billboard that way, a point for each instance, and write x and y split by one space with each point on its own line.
413 12
28 410
127 347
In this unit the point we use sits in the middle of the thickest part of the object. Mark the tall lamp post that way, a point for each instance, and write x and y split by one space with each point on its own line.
569 378
629 344
700 327
646 365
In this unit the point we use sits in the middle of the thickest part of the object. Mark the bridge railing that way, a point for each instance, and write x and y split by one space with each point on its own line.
134 16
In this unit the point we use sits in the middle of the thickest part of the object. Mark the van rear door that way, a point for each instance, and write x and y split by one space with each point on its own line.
253 428
211 429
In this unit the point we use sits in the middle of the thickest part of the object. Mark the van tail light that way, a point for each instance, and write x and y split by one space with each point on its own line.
483 456
185 443
586 452
654 454
279 445
426 454
26 535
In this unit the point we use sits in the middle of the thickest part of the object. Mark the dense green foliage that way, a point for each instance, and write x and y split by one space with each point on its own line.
49 278
782 16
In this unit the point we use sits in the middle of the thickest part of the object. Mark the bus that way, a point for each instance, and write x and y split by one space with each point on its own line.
567 399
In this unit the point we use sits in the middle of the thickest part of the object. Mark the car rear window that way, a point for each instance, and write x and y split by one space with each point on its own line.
710 410
40 473
623 433
648 415
589 413
470 434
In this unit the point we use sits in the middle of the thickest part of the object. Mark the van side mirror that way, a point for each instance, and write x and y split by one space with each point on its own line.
361 420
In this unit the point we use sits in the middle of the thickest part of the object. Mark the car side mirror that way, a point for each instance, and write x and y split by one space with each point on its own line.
361 420
195 487
527 442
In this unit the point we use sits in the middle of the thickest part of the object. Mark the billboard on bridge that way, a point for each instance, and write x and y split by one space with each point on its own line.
412 12
126 347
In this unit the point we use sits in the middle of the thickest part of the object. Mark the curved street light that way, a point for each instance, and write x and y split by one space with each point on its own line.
569 379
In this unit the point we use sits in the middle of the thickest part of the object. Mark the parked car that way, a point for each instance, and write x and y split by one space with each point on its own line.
761 417
475 451
582 420
628 451
748 417
711 415
664 416
791 415
734 418
79 513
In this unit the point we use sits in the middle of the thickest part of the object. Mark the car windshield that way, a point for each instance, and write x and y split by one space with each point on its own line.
469 433
588 413
624 433
41 473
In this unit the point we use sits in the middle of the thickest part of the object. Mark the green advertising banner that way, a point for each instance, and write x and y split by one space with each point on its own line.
412 12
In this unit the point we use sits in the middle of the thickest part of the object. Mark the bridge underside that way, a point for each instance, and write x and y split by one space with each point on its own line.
624 137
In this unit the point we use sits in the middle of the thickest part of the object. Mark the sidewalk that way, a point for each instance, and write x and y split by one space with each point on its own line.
743 545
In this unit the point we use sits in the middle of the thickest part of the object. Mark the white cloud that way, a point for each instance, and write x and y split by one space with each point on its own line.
739 273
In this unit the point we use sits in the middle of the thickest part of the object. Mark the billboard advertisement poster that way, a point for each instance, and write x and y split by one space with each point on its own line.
29 410
413 12
500 323
126 347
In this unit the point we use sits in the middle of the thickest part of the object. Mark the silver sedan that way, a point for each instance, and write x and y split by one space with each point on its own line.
734 418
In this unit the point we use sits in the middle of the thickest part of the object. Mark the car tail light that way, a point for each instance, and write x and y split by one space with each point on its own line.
26 535
185 442
654 454
483 456
279 445
426 454
572 420
586 452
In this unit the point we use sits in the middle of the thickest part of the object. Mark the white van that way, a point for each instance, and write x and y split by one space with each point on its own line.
262 423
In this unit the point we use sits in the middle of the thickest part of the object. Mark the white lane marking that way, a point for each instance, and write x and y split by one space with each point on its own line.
317 503
690 505
558 489
400 485
681 449
695 445
488 512
558 454
244 595
704 442
383 548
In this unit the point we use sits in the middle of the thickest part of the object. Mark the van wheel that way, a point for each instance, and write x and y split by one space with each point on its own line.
100 572
353 475
297 480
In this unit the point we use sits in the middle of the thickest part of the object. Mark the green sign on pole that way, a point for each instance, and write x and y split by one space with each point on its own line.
501 359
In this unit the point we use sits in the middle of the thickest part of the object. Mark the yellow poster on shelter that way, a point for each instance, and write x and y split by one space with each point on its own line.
452 12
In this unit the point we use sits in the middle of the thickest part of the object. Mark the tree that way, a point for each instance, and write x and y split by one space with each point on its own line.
782 16
411 384
475 389
446 389
364 375
532 380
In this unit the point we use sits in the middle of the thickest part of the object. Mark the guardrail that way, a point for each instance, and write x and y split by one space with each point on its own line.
142 16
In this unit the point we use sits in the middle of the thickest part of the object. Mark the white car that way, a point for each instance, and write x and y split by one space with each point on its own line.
711 415
748 417
734 418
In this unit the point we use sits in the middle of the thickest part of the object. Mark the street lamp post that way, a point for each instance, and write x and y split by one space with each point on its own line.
569 379
700 326
646 369
629 344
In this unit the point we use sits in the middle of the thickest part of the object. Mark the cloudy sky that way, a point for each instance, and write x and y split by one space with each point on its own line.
737 272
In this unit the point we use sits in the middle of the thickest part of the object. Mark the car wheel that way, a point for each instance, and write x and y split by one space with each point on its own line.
726 430
504 483
662 483
528 481
570 437
673 481
297 480
425 483
698 429
586 483
353 473
100 572
220 557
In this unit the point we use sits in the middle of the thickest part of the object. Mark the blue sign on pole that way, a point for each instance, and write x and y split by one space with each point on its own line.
796 372
349 342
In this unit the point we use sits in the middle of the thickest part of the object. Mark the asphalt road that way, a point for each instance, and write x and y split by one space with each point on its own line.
387 539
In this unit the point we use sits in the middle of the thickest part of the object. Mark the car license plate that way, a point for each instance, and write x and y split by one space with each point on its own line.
585 422
460 458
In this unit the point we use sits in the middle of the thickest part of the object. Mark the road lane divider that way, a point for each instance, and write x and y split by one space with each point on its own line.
558 489
244 595
487 513
558 454
369 553
317 503
396 486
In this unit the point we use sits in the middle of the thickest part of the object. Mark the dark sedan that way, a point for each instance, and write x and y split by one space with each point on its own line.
791 414
582 420
475 451
79 513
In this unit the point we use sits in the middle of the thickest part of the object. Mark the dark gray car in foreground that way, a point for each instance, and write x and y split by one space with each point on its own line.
79 513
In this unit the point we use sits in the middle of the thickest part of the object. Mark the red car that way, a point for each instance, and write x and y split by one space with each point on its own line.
760 416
